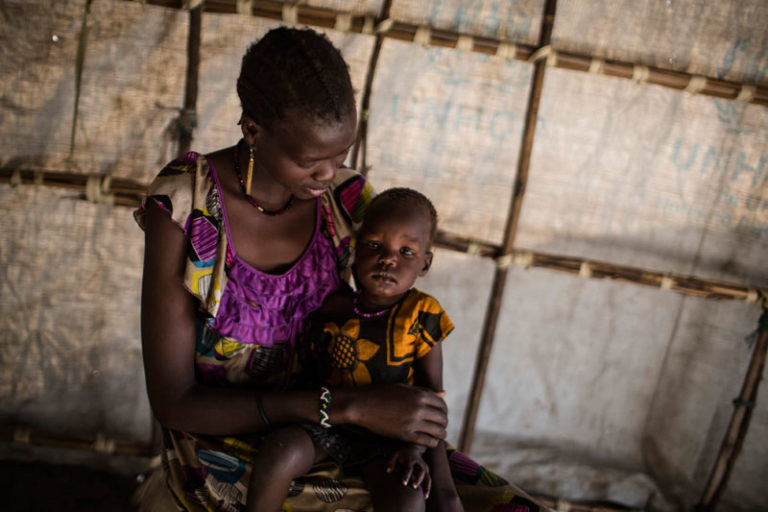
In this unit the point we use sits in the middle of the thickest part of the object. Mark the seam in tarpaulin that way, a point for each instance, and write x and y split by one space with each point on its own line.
585 270
82 40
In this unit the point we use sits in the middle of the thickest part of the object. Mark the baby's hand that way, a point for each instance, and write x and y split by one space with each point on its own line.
415 470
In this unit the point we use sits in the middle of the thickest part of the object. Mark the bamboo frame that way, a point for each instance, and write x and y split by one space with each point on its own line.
361 142
737 428
188 116
116 191
326 18
99 443
128 193
500 275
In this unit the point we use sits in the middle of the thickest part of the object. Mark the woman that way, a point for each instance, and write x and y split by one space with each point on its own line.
241 245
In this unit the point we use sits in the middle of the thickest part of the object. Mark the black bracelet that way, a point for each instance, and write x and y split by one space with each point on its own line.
260 407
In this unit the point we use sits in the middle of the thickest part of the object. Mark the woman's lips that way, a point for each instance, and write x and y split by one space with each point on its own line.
316 192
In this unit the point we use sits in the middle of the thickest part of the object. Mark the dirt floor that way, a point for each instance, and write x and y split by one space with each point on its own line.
41 487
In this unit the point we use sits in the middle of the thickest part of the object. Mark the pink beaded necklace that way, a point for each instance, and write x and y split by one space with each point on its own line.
363 314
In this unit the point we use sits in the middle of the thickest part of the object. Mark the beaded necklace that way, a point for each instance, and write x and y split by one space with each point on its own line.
363 314
251 200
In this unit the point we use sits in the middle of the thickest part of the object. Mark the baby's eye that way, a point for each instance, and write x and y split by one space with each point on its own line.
372 244
408 251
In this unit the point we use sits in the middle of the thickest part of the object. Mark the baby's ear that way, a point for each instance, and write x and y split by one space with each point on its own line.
427 263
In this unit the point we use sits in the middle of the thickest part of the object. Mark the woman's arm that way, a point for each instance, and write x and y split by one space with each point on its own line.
179 401
168 343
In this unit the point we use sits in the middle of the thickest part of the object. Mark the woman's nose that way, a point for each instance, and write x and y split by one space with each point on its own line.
325 172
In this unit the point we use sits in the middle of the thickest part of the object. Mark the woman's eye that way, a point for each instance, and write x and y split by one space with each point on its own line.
340 161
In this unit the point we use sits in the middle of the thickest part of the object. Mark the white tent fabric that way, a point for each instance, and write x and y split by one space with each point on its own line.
596 390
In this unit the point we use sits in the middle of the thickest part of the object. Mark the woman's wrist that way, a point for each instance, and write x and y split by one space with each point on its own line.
343 410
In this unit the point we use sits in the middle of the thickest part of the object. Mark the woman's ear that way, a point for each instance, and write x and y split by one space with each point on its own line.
427 263
251 130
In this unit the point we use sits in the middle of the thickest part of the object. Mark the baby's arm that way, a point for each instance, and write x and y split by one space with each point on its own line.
428 372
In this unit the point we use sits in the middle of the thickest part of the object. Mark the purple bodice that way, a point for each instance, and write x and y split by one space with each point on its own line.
268 309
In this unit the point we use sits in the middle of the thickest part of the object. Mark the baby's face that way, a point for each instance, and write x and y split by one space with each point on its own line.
392 251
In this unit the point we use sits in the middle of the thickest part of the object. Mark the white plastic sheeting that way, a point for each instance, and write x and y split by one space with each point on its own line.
596 390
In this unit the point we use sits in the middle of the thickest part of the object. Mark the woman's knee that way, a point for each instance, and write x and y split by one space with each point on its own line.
289 448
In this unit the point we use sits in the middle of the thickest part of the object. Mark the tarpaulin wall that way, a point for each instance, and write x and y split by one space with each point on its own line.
594 389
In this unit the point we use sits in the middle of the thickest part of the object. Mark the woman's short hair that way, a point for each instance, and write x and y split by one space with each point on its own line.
293 71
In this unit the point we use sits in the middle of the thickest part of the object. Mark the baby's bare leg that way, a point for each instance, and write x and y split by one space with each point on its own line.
284 454
443 497
387 490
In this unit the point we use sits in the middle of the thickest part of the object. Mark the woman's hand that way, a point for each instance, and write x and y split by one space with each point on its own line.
408 413
415 470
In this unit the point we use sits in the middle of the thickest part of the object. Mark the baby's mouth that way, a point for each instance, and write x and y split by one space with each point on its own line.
384 277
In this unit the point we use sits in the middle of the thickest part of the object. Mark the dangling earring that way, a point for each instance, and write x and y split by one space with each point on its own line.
249 176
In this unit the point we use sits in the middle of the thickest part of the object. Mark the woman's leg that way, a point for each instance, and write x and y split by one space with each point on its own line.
284 454
388 494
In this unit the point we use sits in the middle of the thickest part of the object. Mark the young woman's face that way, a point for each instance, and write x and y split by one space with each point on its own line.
391 252
302 154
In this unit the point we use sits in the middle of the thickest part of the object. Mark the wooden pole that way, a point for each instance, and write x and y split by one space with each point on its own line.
500 276
188 114
737 429
361 142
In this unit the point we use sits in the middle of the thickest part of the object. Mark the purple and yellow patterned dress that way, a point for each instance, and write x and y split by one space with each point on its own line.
248 323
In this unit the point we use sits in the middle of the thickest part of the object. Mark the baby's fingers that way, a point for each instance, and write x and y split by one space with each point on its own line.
419 471
392 464
408 474
426 484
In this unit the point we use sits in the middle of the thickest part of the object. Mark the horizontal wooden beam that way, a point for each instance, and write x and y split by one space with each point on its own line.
126 192
99 443
399 30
